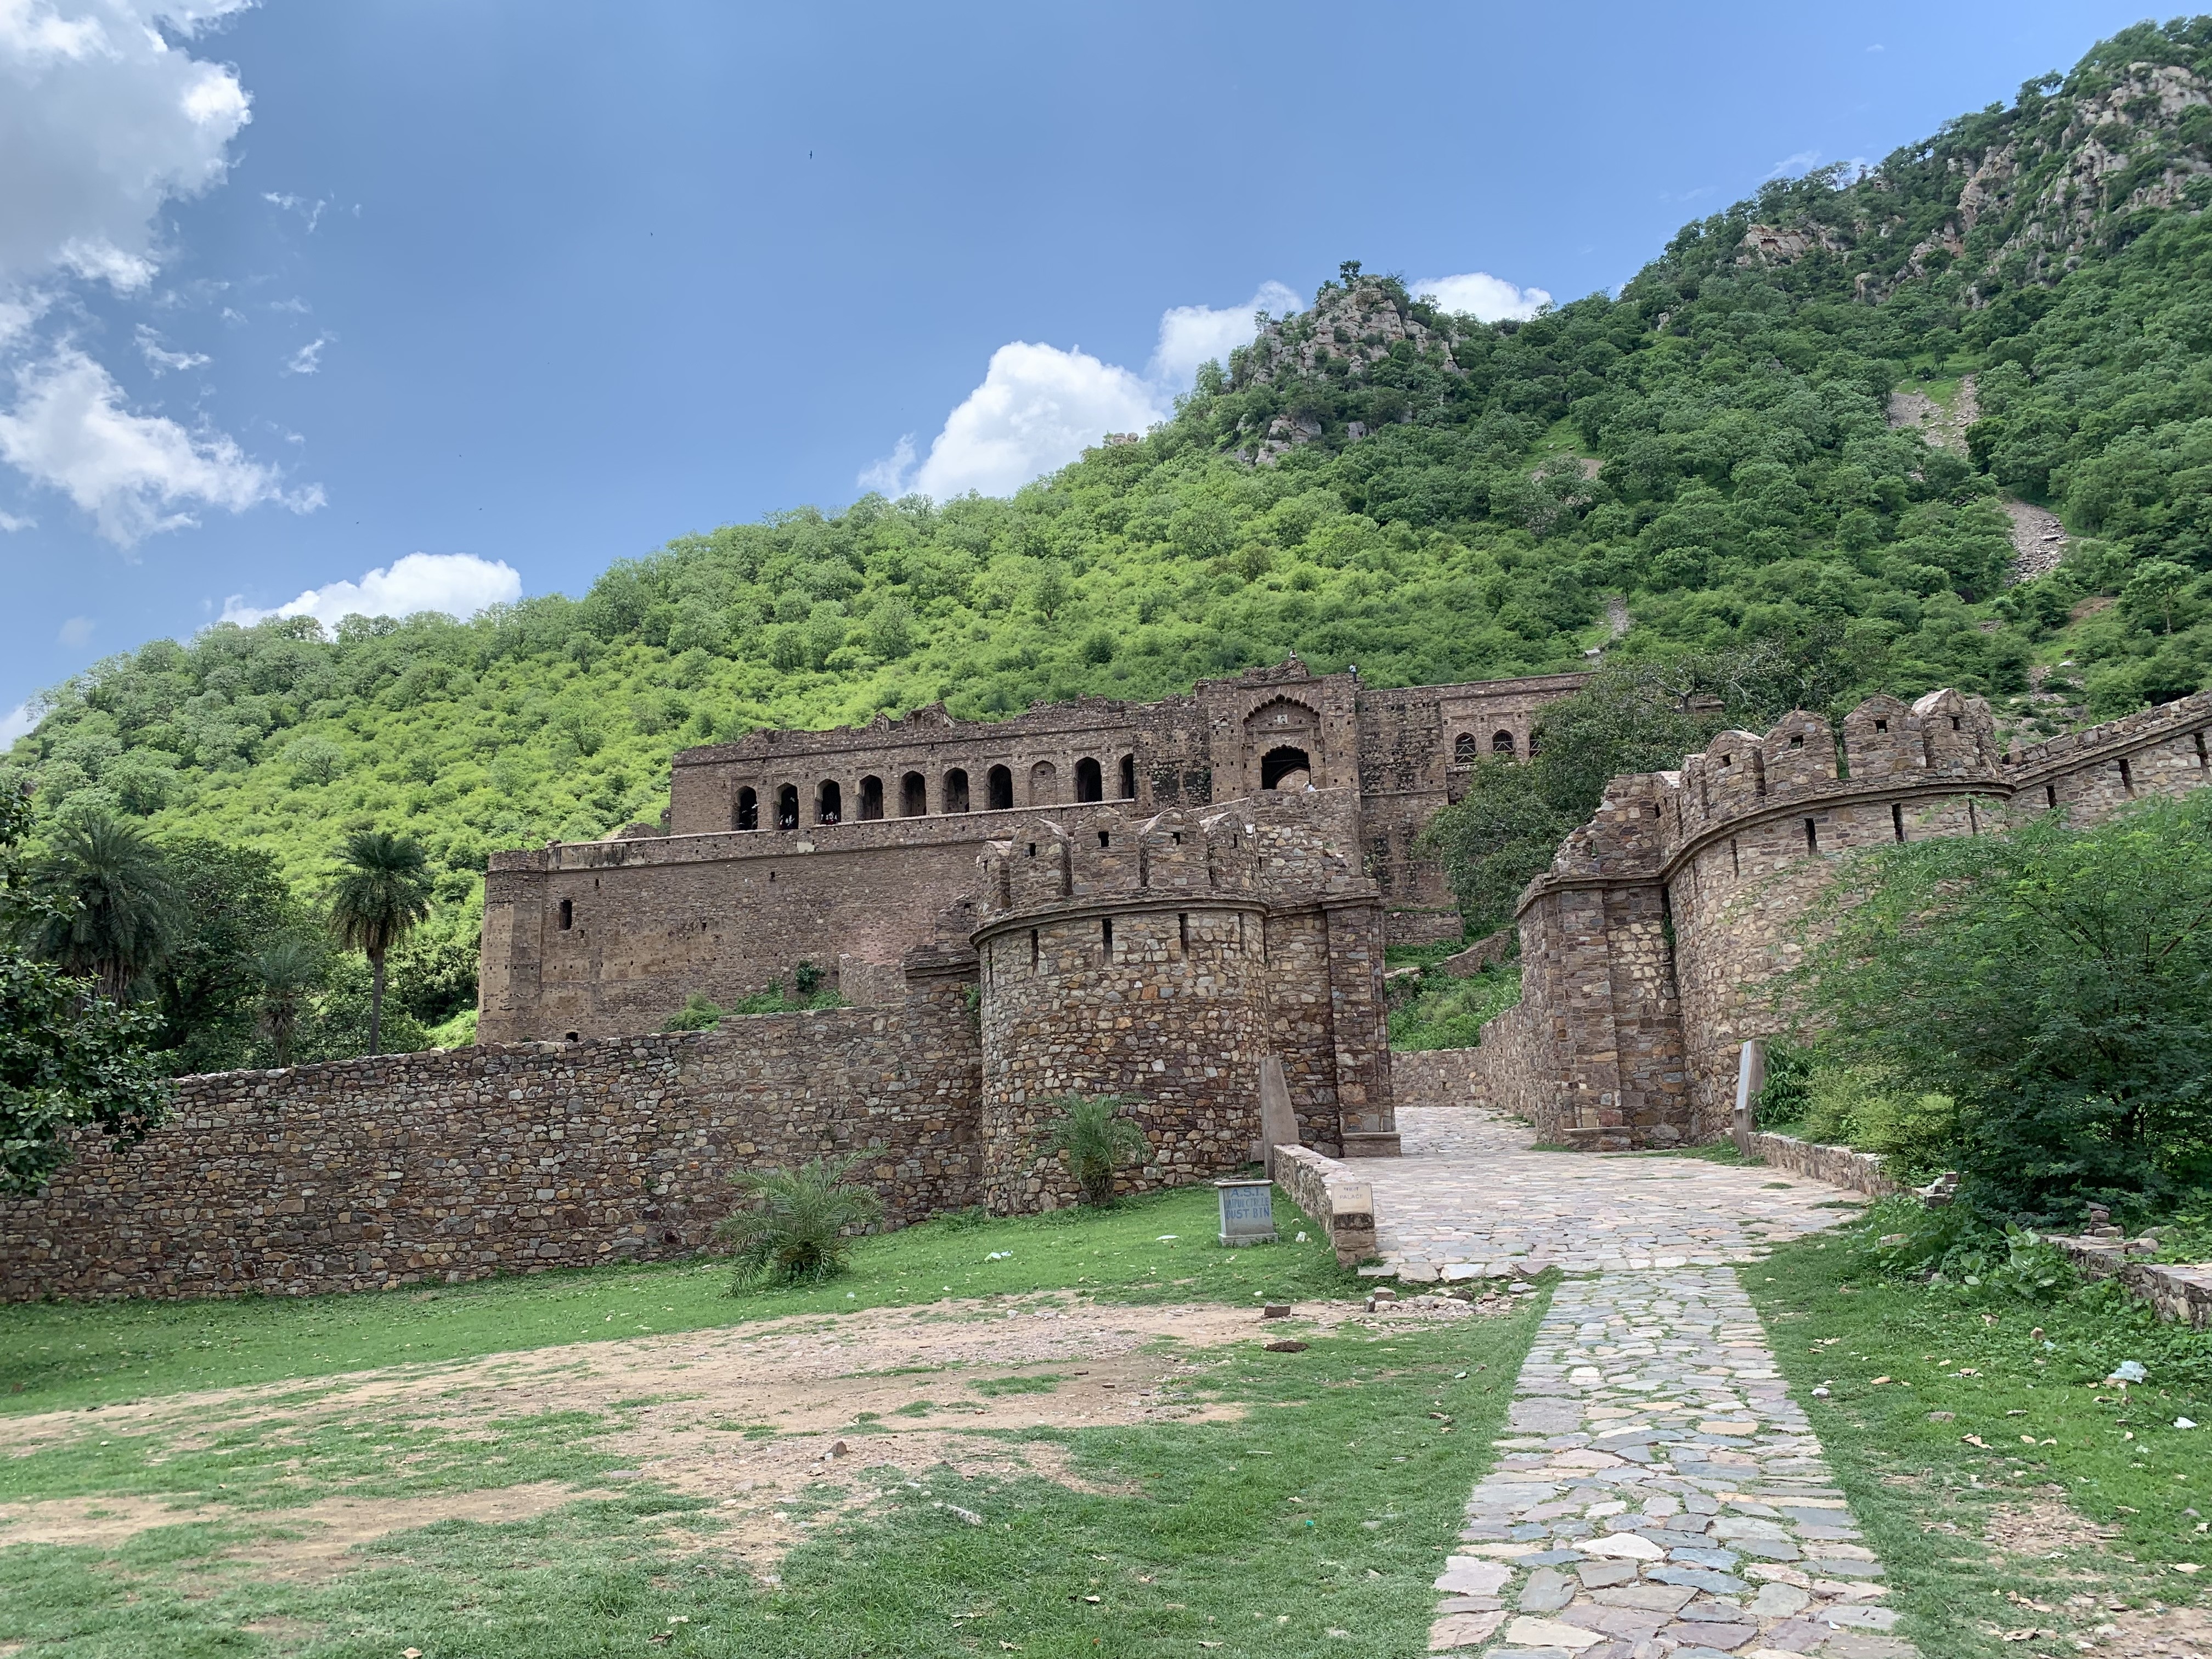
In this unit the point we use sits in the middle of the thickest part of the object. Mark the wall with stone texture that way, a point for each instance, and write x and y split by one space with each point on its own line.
1665 933
453 1165
1839 1166
601 938
1435 1076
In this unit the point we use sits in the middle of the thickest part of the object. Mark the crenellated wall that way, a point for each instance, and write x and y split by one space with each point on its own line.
1163 959
1663 934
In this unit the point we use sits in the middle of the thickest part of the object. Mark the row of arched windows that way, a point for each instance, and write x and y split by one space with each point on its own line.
953 794
1468 749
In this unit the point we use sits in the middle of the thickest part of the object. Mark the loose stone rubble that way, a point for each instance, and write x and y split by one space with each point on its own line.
1659 1494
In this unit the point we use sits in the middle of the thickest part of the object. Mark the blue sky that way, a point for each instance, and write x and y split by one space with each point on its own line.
481 297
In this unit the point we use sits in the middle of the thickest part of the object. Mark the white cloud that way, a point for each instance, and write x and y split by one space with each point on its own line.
889 475
102 120
9 523
1040 407
1479 294
308 359
160 359
310 211
75 633
17 723
135 474
459 583
1191 335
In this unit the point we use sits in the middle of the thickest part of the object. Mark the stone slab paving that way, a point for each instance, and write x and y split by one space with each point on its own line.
1470 1197
1658 1493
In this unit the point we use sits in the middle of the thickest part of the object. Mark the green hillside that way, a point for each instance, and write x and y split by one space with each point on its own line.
1710 454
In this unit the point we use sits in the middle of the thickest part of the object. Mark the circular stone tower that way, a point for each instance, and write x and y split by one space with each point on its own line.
1126 958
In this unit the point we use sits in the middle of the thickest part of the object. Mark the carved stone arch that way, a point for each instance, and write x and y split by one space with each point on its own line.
1277 730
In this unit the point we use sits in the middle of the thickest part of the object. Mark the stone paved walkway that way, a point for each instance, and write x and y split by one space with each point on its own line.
1657 1492
1469 1198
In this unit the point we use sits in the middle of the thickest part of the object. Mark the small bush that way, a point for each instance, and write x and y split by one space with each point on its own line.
697 1014
1096 1140
801 1226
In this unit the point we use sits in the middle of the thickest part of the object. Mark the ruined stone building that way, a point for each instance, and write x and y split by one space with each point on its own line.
1659 939
846 848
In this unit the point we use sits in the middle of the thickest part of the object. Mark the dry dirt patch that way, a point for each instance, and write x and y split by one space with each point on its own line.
2044 1527
837 1408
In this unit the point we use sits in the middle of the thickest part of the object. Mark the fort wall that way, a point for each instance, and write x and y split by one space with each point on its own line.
454 1166
1665 933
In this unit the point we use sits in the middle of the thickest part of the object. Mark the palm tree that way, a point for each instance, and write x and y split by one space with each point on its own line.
383 890
801 1228
287 973
114 911
1096 1140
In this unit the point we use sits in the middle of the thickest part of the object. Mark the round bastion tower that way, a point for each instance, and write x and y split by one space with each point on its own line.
1124 957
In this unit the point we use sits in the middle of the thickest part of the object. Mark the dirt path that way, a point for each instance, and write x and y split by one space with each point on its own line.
749 1418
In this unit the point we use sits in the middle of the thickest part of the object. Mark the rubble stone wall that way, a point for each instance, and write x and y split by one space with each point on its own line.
454 1166
1665 932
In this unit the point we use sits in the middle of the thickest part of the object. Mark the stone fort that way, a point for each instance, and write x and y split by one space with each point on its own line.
852 848
1184 903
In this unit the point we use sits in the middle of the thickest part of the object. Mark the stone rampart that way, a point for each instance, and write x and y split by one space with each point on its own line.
1665 932
452 1165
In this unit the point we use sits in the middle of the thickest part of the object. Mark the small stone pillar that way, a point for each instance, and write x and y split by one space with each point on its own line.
1750 1080
1279 1124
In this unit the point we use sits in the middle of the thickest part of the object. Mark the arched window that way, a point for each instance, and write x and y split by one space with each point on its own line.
1501 743
1464 749
955 797
914 796
1090 783
786 807
1284 769
1128 777
748 813
872 800
1000 788
1044 784
828 802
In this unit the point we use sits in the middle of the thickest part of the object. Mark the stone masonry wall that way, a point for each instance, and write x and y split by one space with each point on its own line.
446 1166
1737 846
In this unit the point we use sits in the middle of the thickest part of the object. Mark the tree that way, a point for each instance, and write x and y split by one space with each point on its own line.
113 911
70 1059
233 905
383 890
2056 982
800 1229
287 974
1097 1141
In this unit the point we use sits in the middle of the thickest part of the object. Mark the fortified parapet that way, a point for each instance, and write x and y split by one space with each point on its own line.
1161 958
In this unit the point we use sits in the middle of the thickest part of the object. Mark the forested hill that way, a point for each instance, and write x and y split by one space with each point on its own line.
1372 482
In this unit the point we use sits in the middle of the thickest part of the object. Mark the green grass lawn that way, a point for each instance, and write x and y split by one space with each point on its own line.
1948 1408
67 1354
1312 1523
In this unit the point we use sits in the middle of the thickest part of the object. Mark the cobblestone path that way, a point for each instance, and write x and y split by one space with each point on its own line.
1656 1492
1659 1494
1470 1197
